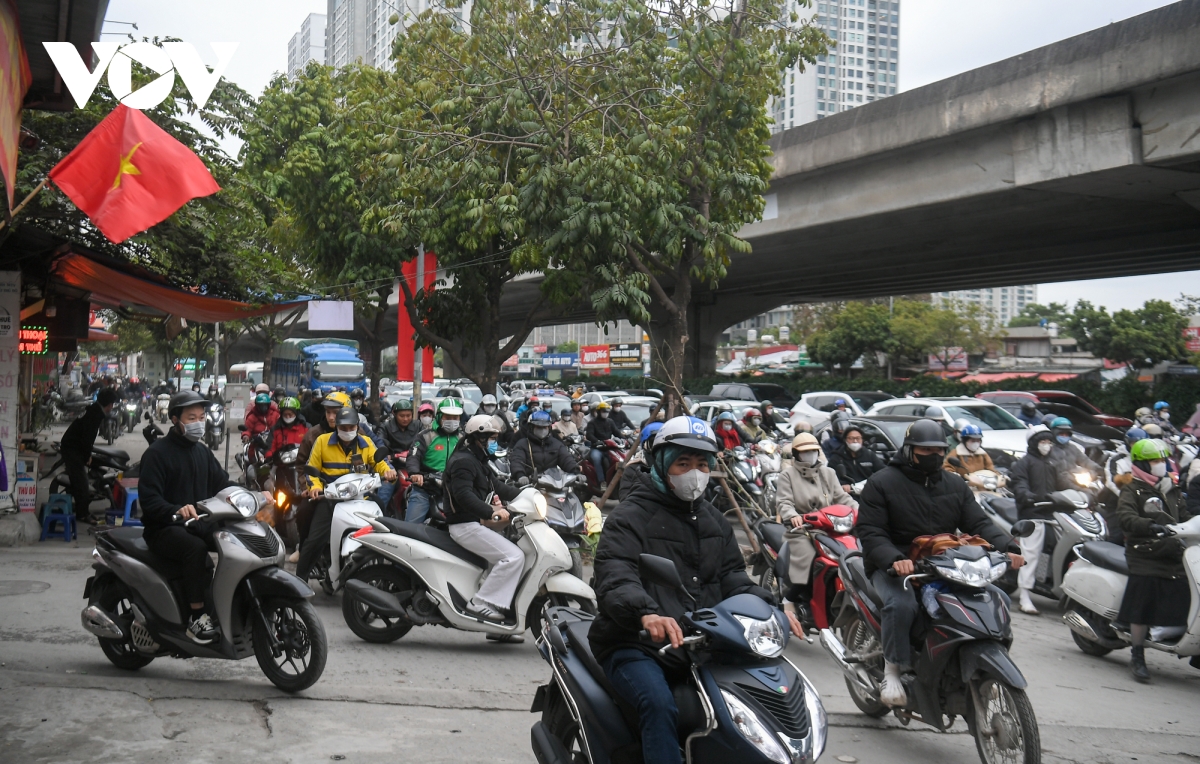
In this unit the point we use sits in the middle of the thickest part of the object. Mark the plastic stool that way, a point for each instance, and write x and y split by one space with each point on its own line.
59 508
131 497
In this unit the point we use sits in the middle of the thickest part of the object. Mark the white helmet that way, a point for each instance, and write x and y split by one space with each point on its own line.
689 432
488 400
482 423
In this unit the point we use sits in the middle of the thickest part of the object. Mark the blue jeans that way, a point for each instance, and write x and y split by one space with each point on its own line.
597 457
900 610
418 506
383 497
640 681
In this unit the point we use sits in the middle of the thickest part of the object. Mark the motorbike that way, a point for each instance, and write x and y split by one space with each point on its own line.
130 414
252 460
769 455
565 513
162 405
50 409
741 699
75 402
408 574
1095 585
351 509
139 612
745 471
962 666
993 496
214 425
151 432
615 449
106 466
110 427
287 483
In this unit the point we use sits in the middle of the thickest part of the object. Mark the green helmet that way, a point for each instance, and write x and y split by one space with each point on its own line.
289 402
404 404
451 406
262 398
1149 449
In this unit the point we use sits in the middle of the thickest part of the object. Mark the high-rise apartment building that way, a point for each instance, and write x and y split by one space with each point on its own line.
1003 303
362 30
863 66
308 44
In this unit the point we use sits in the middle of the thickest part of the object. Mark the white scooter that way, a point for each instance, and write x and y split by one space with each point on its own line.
1095 586
407 574
351 510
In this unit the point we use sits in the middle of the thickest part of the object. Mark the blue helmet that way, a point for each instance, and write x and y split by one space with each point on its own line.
540 417
726 416
840 402
1134 434
647 436
1161 405
970 431
1061 423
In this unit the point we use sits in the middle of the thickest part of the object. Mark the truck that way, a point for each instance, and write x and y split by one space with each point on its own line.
324 363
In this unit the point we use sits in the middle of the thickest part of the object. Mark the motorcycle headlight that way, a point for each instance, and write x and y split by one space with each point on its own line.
977 573
843 524
130 406
340 491
752 728
281 499
287 457
539 503
765 637
247 502
990 483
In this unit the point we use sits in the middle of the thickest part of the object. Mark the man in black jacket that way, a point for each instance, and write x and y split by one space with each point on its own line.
537 452
664 514
400 429
475 499
76 449
598 430
178 472
1033 478
913 496
852 460
618 416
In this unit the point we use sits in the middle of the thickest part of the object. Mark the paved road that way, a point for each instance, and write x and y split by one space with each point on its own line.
446 696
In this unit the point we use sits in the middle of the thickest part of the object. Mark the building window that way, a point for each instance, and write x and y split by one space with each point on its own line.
820 93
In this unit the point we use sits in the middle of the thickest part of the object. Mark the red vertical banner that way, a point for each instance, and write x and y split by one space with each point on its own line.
404 328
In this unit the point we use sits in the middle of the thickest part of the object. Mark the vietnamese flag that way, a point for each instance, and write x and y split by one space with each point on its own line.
129 174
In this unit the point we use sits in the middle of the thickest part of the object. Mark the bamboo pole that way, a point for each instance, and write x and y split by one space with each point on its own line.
17 211
616 478
754 547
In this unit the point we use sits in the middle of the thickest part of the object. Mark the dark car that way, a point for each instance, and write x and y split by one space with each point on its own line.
1061 397
884 433
868 398
754 391
1058 404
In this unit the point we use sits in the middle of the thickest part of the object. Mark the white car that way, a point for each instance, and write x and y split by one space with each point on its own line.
1001 430
815 408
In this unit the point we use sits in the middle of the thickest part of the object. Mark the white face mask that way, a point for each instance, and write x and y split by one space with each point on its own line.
690 485
288 418
807 457
1044 447
450 425
727 426
604 415
973 445
854 447
347 435
426 421
1158 469
194 431
1166 416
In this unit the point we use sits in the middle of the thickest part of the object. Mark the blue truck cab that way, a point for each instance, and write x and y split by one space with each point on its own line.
325 364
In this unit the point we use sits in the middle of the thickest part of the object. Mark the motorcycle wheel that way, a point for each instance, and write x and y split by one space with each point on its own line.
301 659
533 619
1005 730
114 598
1083 643
576 564
559 723
366 623
110 435
859 640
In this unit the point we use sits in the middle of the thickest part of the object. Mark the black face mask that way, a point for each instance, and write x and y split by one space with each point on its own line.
928 463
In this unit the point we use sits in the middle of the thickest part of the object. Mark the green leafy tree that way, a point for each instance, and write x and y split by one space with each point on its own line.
1033 314
959 327
570 346
1144 337
860 329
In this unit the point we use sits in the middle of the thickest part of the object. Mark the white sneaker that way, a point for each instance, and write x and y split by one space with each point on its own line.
1025 604
202 630
891 691
487 613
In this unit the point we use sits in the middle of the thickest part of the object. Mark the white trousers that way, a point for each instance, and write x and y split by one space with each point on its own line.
506 560
1031 550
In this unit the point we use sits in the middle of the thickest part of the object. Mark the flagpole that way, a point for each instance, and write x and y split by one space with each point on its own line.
36 190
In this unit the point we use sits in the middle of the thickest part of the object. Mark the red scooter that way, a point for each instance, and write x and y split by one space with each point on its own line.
615 450
399 500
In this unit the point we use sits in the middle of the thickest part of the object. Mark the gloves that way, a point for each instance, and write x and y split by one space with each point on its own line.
1158 530
523 481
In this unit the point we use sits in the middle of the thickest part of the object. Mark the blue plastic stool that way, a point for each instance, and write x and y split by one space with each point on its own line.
131 497
59 508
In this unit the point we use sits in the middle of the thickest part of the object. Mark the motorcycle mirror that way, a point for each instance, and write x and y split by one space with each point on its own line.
1024 528
955 461
659 570
241 428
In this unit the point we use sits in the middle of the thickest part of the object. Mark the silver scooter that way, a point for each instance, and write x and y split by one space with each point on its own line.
139 611
350 511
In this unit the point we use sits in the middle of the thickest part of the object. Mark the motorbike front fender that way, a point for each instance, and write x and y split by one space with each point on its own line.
565 583
277 582
992 659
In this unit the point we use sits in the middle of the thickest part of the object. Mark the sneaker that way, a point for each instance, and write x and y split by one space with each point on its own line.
512 639
1026 604
480 610
202 630
891 691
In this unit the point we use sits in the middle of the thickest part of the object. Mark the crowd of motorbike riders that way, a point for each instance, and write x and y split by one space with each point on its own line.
1149 482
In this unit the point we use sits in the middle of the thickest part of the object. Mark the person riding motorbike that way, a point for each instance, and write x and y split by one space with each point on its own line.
431 451
578 417
537 452
751 427
474 514
598 430
638 467
1032 479
177 472
852 461
912 497
315 411
664 515
840 405
261 418
290 429
768 418
805 485
1118 471
1066 456
214 395
969 452
76 449
619 417
357 398
425 415
1158 592
327 423
1143 416
1162 417
832 438
401 429
564 427
727 431
1029 414
491 407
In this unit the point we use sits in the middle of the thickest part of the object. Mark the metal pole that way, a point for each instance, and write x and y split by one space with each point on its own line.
216 353
419 353
891 308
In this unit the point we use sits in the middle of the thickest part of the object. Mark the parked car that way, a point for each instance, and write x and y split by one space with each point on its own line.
1003 434
595 397
1083 421
1058 398
754 391
816 407
883 434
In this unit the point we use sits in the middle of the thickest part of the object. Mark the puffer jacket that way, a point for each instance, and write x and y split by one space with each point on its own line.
692 534
853 467
971 462
1147 554
806 488
1033 478
529 457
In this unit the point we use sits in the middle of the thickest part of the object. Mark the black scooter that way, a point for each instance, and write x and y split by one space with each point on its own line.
741 701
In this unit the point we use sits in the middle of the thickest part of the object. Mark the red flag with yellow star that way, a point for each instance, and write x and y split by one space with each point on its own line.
129 174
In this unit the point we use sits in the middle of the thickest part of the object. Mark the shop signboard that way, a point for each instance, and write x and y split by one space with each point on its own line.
560 361
593 357
625 356
33 340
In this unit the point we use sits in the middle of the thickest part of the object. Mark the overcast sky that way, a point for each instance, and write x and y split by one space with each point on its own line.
939 38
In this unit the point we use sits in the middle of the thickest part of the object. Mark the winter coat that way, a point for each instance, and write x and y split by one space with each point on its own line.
287 434
396 438
971 462
310 438
176 472
852 468
599 430
900 503
256 422
468 484
1033 478
80 437
331 458
694 535
805 488
529 457
1147 554
1070 458
728 439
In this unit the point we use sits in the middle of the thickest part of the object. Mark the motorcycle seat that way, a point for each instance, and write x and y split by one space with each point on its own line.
129 541
577 634
1005 507
1106 555
859 575
772 534
434 537
113 454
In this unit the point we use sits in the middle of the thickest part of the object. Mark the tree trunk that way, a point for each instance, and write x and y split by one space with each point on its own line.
269 357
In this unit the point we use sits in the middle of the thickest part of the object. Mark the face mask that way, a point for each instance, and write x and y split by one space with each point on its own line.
972 446
604 415
347 435
756 420
540 432
489 410
288 418
194 431
928 463
1062 439
690 485
450 425
493 447
1044 447
1166 416
727 426
357 403
854 447
426 421
807 457
1158 469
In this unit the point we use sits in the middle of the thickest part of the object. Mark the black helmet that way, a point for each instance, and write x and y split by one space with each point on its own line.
925 432
357 393
183 400
347 416
1028 408
839 421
